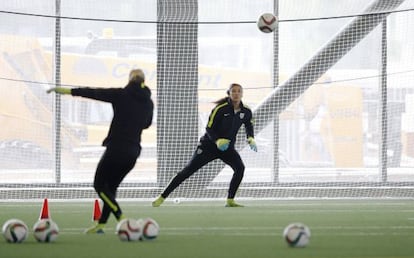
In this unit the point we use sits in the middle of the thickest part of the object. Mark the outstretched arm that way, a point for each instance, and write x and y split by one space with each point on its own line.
107 95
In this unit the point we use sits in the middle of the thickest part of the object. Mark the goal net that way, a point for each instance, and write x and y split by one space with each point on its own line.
331 90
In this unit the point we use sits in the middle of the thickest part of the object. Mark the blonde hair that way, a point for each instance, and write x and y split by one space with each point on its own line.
136 75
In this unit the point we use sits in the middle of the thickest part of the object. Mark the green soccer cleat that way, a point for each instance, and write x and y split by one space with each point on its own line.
158 201
232 203
97 229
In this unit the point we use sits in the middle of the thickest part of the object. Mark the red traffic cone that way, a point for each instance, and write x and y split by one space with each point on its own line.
96 211
44 213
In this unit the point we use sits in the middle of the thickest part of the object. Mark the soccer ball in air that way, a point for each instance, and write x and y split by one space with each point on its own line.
15 231
267 22
128 230
297 235
45 231
150 229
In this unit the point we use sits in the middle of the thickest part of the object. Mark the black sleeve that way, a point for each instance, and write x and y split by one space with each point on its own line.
214 118
248 124
107 95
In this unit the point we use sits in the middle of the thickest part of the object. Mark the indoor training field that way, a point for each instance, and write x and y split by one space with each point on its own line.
329 86
340 228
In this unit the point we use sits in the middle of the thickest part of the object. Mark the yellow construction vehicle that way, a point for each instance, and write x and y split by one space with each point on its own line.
27 117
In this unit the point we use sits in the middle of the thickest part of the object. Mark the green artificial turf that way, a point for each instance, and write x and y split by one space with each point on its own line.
340 228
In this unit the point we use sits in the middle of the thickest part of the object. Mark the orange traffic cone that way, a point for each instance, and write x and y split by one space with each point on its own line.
96 211
44 213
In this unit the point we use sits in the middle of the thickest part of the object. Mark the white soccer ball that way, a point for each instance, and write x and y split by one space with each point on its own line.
297 235
150 229
267 22
15 231
129 230
45 231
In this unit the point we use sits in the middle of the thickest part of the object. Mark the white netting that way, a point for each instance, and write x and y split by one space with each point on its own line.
331 91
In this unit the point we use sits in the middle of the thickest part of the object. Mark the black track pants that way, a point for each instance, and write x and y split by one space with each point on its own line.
115 164
205 153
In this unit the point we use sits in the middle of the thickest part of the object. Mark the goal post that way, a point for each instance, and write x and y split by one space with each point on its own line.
177 86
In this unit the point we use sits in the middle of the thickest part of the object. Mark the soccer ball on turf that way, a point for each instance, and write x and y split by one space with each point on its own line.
297 235
128 230
150 229
45 231
15 231
267 22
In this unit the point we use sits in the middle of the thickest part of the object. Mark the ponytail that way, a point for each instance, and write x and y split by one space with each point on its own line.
221 101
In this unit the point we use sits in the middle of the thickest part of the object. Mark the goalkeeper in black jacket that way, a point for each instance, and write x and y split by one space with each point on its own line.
133 111
218 143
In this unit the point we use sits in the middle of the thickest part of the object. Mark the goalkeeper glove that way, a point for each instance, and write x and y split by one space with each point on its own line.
252 143
60 90
222 144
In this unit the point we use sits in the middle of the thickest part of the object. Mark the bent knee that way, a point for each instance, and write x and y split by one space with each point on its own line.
98 187
240 169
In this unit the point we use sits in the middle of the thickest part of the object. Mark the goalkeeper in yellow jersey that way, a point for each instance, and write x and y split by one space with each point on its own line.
133 112
218 143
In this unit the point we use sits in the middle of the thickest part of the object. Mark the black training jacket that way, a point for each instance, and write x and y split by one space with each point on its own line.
133 111
224 123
